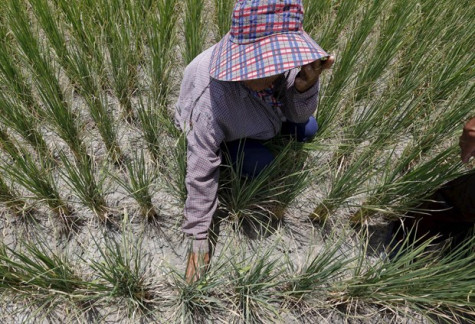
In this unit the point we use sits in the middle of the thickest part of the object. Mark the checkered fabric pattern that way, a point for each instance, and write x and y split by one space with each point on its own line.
267 95
266 38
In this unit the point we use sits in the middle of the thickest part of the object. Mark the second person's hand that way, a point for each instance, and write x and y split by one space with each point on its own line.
467 141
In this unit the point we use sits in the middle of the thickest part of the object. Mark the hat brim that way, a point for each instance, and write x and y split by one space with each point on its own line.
265 57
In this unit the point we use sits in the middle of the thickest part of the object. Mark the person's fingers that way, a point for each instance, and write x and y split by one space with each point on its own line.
317 65
303 79
191 274
328 63
303 74
312 70
309 73
197 263
299 83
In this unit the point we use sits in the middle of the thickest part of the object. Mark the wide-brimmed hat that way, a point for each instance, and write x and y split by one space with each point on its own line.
266 38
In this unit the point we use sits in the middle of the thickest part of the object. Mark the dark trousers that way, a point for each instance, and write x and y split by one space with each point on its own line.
253 157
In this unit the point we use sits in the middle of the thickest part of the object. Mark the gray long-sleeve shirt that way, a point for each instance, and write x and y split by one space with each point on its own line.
212 112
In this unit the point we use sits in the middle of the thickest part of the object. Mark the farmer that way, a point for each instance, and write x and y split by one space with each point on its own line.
260 80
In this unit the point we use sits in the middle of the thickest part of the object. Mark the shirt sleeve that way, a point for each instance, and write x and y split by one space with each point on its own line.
298 107
203 161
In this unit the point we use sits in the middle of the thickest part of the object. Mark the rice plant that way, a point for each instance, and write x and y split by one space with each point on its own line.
413 177
80 176
13 78
156 121
194 29
384 121
77 66
14 115
345 10
176 166
123 54
97 104
386 118
42 277
265 197
458 108
150 122
350 56
418 90
122 272
427 282
13 201
236 287
223 17
435 23
7 144
136 13
160 39
140 179
400 190
57 110
37 177
157 127
83 24
347 181
255 280
321 268
202 300
388 44
316 13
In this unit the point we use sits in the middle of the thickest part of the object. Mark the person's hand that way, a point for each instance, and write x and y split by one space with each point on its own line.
196 266
467 141
309 73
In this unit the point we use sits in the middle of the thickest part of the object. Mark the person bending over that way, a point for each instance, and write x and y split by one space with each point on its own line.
260 80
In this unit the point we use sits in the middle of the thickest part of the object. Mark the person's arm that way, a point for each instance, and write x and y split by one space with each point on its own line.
301 98
467 141
203 160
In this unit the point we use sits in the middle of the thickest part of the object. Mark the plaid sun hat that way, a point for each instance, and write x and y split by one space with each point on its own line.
266 38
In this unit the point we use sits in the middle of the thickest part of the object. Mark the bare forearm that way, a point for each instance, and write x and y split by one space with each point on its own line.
467 141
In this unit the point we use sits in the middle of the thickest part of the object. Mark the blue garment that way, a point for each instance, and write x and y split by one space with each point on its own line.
302 132
256 157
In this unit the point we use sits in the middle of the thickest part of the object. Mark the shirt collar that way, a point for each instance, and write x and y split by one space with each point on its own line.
243 90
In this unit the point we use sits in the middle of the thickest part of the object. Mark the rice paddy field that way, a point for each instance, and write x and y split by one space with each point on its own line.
92 169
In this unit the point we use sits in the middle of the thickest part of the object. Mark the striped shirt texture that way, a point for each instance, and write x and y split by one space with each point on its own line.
212 112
